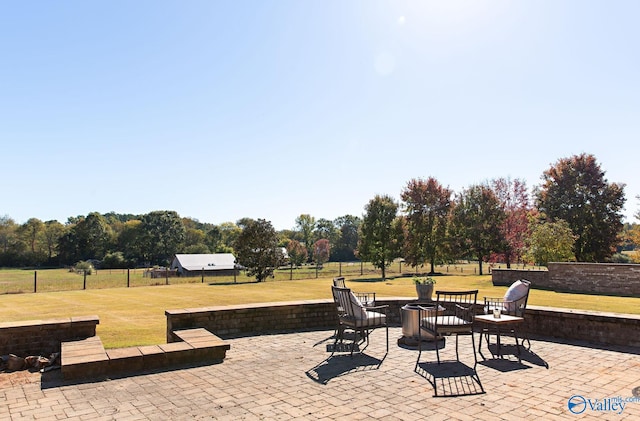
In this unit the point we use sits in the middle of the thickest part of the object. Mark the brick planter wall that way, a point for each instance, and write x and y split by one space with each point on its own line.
599 278
255 319
267 317
43 337
592 278
505 277
590 326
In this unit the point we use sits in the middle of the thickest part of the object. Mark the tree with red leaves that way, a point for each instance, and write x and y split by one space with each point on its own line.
427 205
574 189
515 202
321 249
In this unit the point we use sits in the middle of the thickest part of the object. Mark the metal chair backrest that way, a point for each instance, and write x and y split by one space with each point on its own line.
347 304
456 305
339 282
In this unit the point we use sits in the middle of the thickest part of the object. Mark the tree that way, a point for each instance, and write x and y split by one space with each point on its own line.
164 235
427 205
347 241
94 237
213 239
477 218
114 260
297 253
514 200
379 242
575 190
326 229
321 251
11 247
89 237
230 233
131 242
551 242
306 224
53 230
257 249
32 230
195 239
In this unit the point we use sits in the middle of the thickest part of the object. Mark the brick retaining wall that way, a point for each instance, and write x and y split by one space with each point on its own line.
599 278
592 278
592 326
266 317
255 319
505 277
43 337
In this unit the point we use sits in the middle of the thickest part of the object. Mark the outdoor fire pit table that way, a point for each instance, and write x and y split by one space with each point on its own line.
410 316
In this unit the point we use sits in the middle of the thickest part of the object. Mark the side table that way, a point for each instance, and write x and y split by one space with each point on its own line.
497 323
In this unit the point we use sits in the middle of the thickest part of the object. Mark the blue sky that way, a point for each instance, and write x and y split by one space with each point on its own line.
223 110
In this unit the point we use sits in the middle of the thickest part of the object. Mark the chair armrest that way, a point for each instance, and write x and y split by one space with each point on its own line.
366 298
491 303
428 318
374 308
465 313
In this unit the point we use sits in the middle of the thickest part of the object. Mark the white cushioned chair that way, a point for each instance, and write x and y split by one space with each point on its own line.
354 315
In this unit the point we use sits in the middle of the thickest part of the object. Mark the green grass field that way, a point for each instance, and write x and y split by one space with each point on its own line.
135 316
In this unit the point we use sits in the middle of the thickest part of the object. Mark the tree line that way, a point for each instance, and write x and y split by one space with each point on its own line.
574 214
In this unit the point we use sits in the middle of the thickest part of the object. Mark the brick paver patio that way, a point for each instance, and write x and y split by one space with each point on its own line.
292 376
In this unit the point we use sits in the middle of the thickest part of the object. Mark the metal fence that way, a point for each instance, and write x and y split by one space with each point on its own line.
15 281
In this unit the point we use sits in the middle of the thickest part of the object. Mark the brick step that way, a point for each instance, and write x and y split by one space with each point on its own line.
84 358
87 358
206 345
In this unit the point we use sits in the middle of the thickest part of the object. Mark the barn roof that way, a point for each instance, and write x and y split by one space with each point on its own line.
217 261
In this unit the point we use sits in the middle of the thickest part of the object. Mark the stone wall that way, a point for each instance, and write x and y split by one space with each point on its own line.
590 326
592 278
266 317
595 327
43 337
505 277
598 278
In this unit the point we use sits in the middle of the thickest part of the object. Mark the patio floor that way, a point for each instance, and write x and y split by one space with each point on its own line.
293 376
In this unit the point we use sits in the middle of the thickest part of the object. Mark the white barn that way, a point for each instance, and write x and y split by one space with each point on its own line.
207 264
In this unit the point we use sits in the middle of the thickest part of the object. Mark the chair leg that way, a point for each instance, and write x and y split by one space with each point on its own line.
387 329
473 345
515 335
353 344
457 354
419 344
335 342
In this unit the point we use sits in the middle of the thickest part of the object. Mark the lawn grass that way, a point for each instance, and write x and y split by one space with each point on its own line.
135 316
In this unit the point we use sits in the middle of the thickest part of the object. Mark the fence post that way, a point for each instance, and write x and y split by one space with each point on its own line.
202 276
84 282
291 271
340 266
166 276
35 281
128 278
361 268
